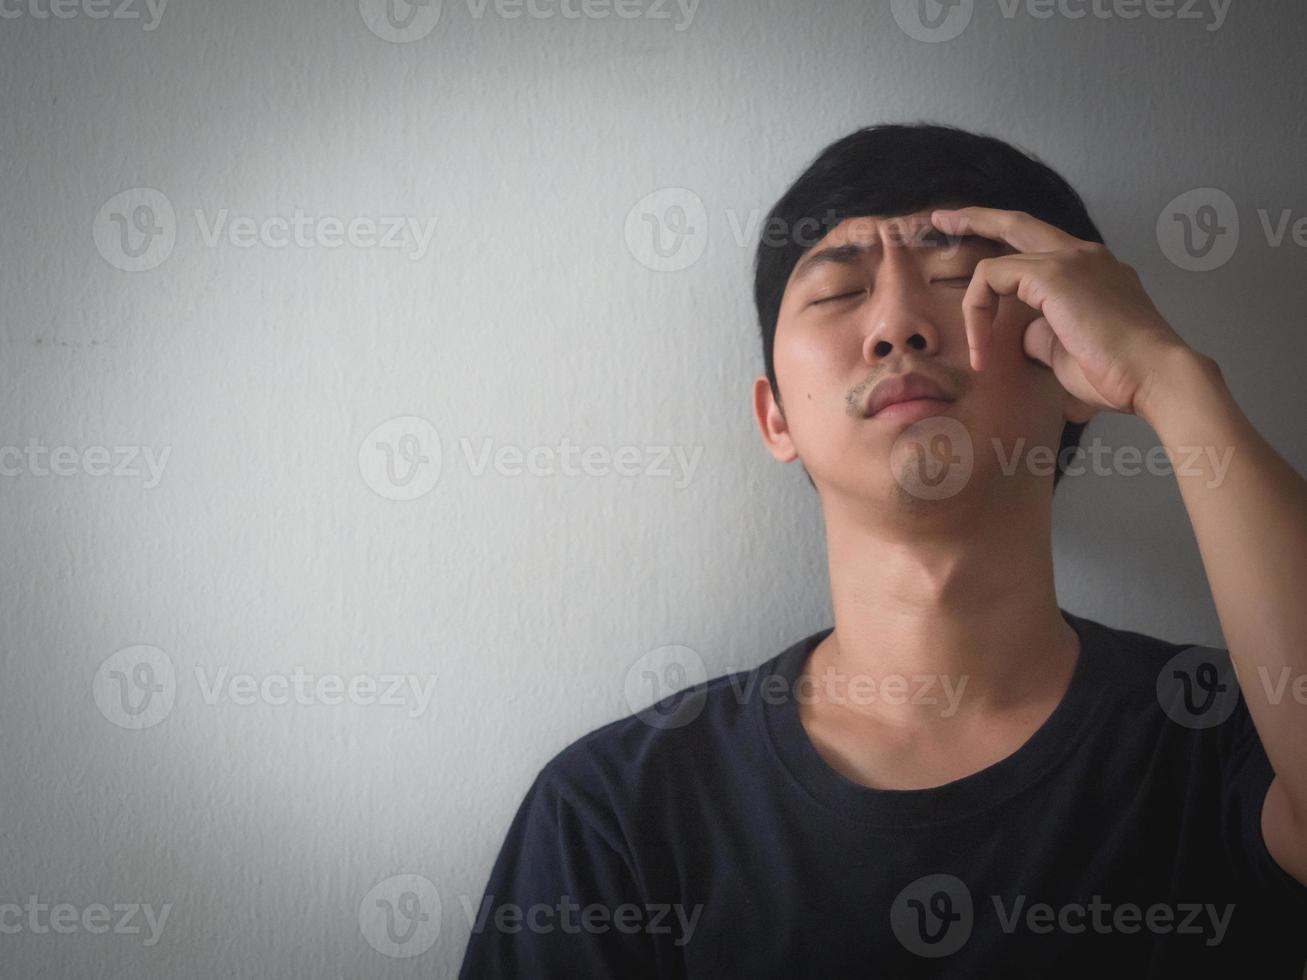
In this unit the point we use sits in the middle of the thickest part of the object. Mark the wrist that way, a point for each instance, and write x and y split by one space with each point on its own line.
1180 375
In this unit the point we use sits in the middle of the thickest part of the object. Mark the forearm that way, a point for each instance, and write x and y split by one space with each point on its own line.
1248 508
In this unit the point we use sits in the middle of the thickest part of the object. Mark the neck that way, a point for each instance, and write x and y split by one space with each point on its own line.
963 598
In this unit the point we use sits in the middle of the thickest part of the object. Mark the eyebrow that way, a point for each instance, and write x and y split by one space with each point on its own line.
851 253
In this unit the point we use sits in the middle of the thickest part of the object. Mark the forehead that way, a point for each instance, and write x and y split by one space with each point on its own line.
876 229
854 239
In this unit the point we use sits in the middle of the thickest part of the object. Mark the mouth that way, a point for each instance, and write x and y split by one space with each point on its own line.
906 394
911 409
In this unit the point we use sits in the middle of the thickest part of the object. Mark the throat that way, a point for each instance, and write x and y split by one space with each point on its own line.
883 757
889 742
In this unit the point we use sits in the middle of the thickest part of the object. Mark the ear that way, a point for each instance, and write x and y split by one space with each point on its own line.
771 423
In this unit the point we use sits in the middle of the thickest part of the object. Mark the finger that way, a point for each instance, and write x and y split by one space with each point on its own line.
979 310
992 279
1039 341
1041 344
1022 231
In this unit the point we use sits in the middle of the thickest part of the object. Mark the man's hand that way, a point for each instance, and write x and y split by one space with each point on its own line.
1098 330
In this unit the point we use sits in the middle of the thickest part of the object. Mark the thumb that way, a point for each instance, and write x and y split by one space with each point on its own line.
1041 344
1039 341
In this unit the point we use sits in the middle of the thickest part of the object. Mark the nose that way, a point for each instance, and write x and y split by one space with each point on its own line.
899 316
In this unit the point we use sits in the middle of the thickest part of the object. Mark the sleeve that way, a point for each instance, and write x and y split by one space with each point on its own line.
1246 775
562 900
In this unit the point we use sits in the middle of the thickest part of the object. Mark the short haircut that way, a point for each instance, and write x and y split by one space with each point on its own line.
896 169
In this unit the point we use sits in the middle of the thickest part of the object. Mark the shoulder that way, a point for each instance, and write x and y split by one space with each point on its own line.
687 748
1128 648
674 730
1184 693
1135 661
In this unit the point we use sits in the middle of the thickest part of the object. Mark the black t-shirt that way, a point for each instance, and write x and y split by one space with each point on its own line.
706 837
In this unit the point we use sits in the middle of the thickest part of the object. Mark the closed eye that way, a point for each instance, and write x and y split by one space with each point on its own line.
832 299
955 281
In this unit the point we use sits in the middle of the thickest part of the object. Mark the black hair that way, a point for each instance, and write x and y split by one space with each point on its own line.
895 169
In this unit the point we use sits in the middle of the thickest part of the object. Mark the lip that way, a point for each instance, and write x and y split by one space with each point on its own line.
911 410
909 390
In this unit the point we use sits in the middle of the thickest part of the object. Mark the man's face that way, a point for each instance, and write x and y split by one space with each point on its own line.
879 297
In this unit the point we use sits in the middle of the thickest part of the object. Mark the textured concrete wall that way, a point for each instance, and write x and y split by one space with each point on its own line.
238 240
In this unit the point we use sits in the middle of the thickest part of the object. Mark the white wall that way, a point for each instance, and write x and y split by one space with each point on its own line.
263 547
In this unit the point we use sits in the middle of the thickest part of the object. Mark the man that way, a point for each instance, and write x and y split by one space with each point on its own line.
958 778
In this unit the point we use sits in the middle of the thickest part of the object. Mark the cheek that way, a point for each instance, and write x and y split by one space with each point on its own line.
1030 401
1013 318
804 366
1009 354
814 382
